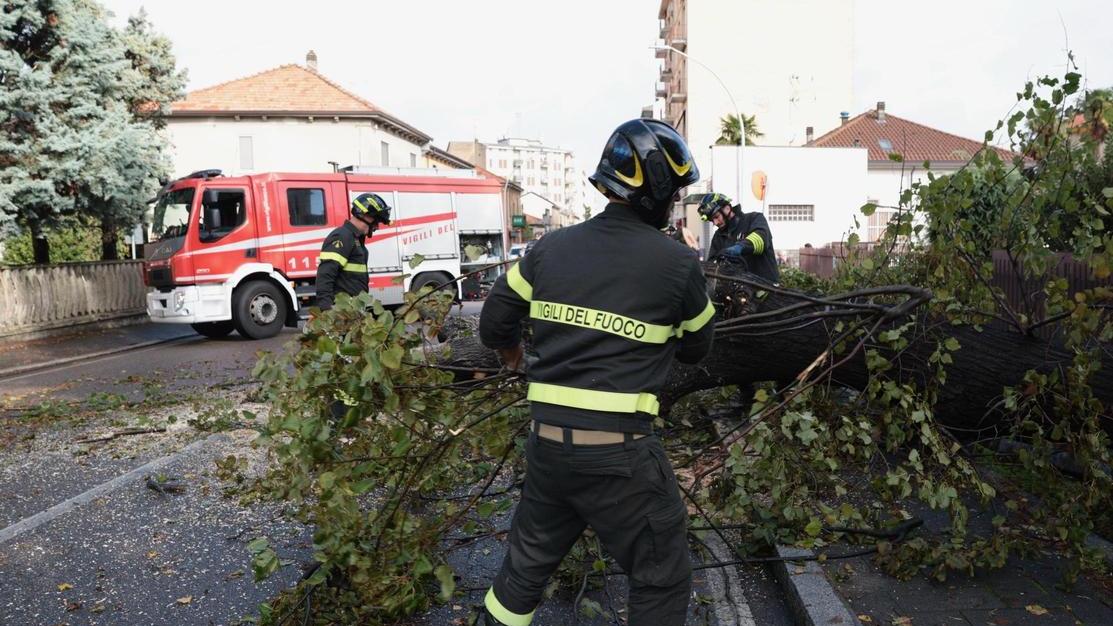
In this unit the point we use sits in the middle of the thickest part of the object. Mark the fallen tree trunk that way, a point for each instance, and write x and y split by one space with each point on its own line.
769 334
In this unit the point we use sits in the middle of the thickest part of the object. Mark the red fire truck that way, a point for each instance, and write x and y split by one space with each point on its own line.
240 253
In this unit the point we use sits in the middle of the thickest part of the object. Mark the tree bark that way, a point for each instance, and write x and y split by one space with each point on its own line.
109 251
988 361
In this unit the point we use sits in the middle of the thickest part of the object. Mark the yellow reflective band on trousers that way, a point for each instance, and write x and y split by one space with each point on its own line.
612 323
520 285
358 268
697 322
503 614
590 399
332 256
759 243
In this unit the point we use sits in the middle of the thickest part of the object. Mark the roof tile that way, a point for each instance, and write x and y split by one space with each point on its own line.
914 142
284 88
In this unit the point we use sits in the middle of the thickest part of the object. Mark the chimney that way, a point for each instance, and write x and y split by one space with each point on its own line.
311 61
881 111
845 117
809 135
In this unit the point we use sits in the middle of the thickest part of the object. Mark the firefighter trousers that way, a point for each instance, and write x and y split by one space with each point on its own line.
627 493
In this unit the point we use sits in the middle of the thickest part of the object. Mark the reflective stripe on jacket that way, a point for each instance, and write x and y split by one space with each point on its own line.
342 265
612 301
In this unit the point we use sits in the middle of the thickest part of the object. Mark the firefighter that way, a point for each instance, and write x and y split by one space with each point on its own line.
342 265
611 302
741 237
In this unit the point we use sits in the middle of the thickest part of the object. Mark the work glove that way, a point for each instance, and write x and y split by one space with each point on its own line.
732 253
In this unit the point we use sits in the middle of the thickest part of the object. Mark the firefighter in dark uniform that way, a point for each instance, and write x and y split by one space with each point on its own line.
741 237
342 265
612 303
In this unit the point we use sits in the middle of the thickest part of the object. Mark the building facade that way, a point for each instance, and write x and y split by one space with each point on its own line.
539 169
290 118
789 63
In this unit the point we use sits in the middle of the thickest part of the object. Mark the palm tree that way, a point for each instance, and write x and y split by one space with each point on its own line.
728 135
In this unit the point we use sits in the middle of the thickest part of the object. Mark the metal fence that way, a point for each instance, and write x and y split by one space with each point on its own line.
42 297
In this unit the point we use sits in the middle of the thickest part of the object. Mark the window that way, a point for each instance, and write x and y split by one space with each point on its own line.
878 222
307 207
222 210
413 160
247 154
791 212
502 163
384 156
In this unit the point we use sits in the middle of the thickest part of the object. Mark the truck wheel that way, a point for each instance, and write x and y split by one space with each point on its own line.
259 310
434 279
214 330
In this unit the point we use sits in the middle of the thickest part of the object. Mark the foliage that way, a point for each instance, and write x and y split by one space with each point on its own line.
78 132
384 484
1027 211
74 240
729 130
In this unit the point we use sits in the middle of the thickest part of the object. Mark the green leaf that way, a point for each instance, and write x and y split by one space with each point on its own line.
485 509
867 264
813 528
411 317
952 344
599 565
257 545
1107 192
392 357
868 209
416 260
448 582
474 252
327 480
852 240
319 575
397 280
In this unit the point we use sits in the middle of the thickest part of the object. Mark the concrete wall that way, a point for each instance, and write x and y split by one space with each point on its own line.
283 145
832 180
51 296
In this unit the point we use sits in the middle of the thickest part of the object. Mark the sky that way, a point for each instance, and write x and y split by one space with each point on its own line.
569 71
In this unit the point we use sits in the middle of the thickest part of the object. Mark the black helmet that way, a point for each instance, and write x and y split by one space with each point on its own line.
645 163
370 207
711 204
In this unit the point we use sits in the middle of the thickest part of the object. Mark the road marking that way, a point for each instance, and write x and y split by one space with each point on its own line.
38 519
73 361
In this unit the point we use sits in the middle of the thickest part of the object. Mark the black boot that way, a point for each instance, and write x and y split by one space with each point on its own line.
480 617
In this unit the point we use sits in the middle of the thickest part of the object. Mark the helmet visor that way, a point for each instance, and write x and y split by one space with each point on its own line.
622 159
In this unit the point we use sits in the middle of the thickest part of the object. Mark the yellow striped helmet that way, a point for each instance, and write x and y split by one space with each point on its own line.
645 163
711 204
370 207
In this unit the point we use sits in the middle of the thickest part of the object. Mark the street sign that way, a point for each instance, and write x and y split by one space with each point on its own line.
518 221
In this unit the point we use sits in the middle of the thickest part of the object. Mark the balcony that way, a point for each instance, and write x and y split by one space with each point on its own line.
679 43
544 165
662 90
678 97
662 53
666 74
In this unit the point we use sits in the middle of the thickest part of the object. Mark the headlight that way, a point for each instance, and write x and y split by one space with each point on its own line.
179 300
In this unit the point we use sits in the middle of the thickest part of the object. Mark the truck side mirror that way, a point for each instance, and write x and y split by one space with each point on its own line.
212 217
211 197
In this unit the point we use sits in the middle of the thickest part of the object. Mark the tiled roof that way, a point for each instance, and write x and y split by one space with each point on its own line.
286 88
916 143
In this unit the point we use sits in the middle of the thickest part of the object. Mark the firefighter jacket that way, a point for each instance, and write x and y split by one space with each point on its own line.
611 302
342 266
751 232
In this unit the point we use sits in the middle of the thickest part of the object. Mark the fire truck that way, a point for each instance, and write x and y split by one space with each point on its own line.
241 253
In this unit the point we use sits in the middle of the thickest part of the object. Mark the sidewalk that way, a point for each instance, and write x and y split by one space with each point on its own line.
18 355
1025 591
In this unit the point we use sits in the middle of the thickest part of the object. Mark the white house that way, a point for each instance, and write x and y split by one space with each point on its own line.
898 149
546 171
809 196
290 118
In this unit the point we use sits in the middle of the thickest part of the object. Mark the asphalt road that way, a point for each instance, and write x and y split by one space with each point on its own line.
82 541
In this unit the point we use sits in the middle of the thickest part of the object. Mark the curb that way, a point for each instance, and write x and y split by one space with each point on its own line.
813 600
23 369
809 595
139 316
731 607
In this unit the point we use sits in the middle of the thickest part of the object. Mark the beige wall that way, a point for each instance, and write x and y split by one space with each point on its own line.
52 296
283 144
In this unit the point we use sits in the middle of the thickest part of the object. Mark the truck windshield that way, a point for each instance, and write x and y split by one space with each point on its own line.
171 216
